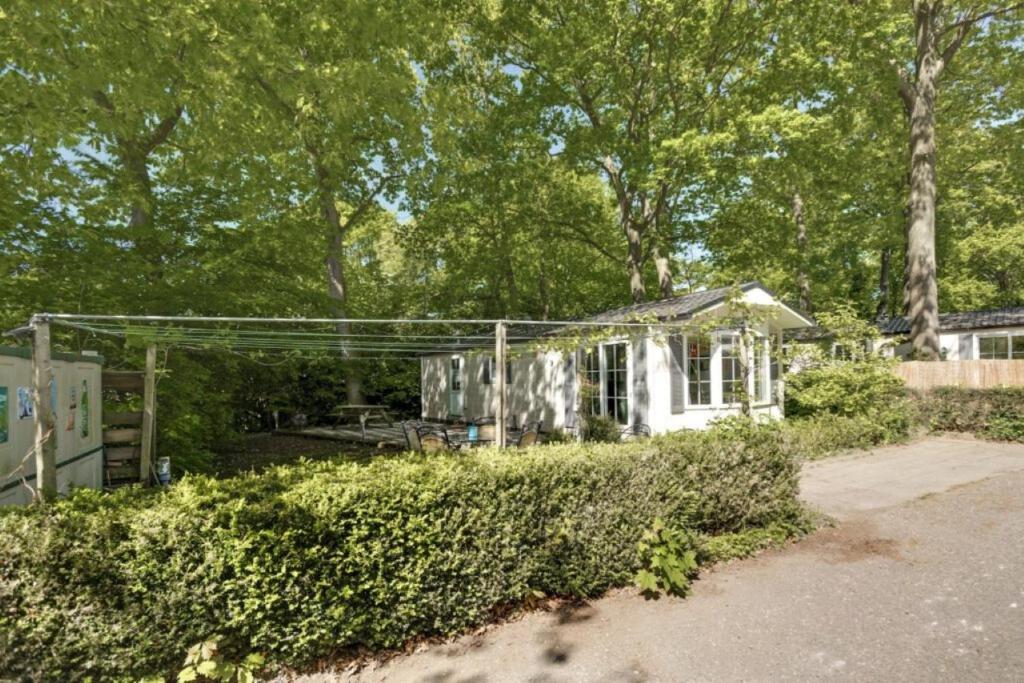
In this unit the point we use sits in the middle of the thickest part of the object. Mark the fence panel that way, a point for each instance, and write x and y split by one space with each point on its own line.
974 374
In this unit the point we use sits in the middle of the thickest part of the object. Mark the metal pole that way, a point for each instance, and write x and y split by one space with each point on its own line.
42 386
148 415
499 368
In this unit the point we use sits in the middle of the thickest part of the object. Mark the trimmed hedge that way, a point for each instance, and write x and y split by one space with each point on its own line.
304 560
991 413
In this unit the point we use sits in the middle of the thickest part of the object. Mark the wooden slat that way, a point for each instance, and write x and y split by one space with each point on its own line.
974 374
122 436
122 453
123 381
133 419
126 472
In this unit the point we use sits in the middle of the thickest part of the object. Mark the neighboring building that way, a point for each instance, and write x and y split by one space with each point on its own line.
666 381
76 402
969 335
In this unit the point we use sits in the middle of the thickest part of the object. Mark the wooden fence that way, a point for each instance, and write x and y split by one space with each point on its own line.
974 374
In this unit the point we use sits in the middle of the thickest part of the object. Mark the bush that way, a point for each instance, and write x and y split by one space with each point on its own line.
992 413
301 561
601 429
847 388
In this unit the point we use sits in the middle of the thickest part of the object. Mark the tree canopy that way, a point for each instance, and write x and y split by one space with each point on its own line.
504 159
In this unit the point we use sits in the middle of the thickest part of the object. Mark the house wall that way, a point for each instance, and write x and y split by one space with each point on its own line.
541 385
959 344
78 429
660 416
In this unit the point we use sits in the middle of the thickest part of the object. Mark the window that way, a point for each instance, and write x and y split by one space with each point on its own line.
616 386
732 371
994 347
698 370
999 346
761 384
592 377
456 374
489 370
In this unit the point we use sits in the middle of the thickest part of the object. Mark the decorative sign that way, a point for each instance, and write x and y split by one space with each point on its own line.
72 405
85 408
26 406
5 416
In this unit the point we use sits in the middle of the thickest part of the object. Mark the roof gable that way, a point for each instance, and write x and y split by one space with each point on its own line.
684 306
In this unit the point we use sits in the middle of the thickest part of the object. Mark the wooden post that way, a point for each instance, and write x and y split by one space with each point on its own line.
780 387
501 438
148 415
45 441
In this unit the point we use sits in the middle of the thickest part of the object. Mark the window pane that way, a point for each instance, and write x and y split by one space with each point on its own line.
592 379
616 388
731 371
698 370
1017 348
993 347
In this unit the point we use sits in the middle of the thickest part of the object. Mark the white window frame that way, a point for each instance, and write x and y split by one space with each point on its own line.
765 400
1008 334
602 361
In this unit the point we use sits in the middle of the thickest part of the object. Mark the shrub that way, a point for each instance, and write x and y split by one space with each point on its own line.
993 413
848 388
303 560
601 429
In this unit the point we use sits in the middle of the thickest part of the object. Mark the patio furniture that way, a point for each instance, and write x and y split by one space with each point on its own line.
434 439
412 436
363 413
530 434
635 431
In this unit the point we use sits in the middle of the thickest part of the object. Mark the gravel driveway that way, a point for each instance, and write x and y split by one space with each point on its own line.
922 579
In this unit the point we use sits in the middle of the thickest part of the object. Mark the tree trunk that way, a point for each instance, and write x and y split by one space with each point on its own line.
885 265
661 264
544 290
635 258
803 282
336 288
924 295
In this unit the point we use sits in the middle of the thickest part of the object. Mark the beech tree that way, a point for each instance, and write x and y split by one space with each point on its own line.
940 31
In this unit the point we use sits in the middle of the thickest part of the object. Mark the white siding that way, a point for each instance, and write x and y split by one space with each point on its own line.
537 391
79 452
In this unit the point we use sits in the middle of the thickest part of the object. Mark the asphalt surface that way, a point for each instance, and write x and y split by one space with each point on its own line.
922 579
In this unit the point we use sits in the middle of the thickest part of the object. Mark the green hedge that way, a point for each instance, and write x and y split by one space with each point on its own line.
304 560
991 413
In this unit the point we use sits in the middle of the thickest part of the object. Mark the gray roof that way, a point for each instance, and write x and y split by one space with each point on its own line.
671 308
948 322
965 320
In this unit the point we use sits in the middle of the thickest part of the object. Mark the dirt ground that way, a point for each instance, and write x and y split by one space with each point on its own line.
257 452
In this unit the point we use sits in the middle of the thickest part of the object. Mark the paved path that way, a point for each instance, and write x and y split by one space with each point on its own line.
904 588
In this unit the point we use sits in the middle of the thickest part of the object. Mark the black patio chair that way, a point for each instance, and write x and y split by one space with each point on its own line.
635 431
410 429
434 439
530 434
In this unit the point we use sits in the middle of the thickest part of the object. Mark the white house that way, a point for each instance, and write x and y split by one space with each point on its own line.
968 335
667 377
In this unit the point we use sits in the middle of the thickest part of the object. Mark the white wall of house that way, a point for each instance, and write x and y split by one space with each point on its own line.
541 387
664 417
963 344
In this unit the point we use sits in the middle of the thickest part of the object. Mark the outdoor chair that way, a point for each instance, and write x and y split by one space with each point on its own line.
635 431
434 439
530 434
412 436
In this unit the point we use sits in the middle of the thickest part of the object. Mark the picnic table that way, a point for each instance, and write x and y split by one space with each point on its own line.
361 412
